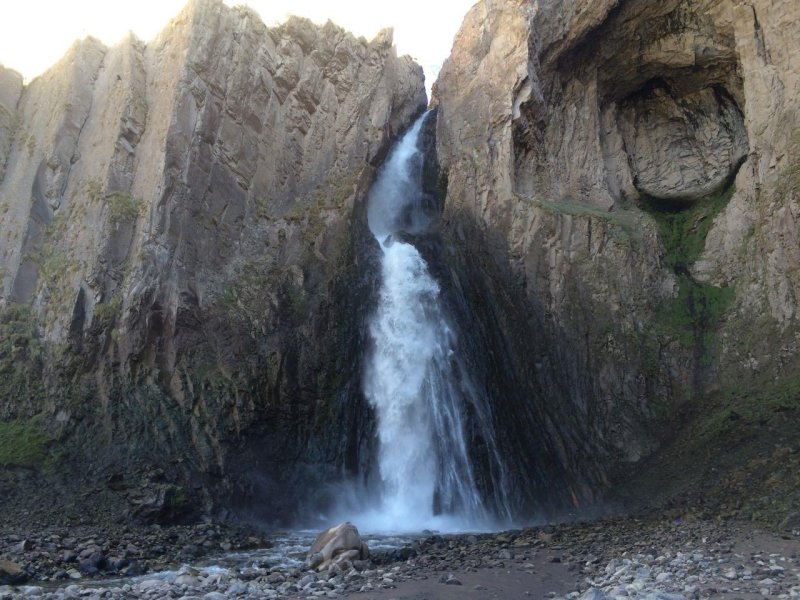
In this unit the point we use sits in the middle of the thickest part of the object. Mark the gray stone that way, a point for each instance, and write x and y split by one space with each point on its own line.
11 573
149 584
162 173
505 554
449 579
236 588
553 126
791 522
337 545
682 148
187 579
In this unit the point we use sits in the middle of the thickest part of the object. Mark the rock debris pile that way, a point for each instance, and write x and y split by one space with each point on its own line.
607 560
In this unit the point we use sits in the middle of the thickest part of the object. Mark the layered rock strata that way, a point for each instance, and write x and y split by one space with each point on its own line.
622 188
180 225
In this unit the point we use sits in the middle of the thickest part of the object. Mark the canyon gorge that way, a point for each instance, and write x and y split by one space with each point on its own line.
606 228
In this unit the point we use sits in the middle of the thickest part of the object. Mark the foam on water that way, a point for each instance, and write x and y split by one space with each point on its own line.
415 379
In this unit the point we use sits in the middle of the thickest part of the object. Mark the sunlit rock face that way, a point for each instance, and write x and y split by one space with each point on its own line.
182 216
682 147
186 266
622 188
10 90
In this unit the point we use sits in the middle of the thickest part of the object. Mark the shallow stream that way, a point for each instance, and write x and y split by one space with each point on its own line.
288 551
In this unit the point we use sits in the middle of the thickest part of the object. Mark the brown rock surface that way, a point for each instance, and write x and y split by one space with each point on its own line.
630 168
336 544
10 91
177 214
11 573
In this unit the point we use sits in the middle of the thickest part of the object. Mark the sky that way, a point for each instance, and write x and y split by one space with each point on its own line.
34 34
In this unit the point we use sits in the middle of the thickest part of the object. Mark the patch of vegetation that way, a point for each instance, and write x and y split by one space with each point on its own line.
21 355
773 403
14 124
621 221
789 182
684 232
22 444
695 312
53 263
261 205
335 191
248 295
737 456
106 313
122 207
694 315
257 290
94 189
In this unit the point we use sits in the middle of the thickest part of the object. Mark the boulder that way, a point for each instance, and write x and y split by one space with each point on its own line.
164 504
11 573
593 594
791 522
335 545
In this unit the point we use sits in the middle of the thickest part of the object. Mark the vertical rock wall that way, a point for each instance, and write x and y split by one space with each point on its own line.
620 183
181 218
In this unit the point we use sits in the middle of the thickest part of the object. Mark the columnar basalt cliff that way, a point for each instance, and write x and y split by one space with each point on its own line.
181 225
186 269
622 195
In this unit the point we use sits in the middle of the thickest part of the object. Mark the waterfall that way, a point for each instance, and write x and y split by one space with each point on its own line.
415 379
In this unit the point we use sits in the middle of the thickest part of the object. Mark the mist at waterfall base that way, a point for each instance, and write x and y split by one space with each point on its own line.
417 384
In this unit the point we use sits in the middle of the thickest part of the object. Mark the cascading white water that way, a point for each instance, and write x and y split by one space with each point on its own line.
414 379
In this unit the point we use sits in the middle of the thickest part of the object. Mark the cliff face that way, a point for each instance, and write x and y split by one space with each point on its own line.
181 233
185 266
622 186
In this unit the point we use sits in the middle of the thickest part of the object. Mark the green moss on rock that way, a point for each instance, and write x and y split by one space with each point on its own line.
621 222
695 312
122 207
106 313
21 355
735 455
22 444
788 183
684 232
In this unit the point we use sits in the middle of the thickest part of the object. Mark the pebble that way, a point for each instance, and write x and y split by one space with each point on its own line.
678 574
450 579
618 560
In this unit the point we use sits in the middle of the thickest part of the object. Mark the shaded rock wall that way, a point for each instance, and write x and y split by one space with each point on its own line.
620 184
182 217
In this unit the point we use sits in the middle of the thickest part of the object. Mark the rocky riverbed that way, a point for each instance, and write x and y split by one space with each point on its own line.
662 558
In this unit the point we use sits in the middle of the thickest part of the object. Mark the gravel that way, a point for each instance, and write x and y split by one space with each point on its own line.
610 560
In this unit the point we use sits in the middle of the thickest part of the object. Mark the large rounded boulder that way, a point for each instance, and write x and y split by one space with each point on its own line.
336 545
